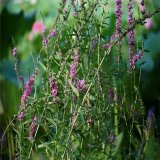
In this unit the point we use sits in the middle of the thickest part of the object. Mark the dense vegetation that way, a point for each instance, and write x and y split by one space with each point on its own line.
81 83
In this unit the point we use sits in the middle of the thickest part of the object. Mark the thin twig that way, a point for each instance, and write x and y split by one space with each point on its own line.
138 21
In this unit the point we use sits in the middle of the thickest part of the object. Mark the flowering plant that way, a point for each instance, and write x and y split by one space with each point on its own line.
77 103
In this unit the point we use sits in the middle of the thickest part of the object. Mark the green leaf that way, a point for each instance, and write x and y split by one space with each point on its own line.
50 120
149 152
43 66
82 118
74 89
44 145
85 61
118 142
92 98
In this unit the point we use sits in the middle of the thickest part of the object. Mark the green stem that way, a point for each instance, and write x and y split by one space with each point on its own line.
115 109
115 120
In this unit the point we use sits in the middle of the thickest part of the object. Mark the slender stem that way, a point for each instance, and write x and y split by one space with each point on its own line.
115 109
138 21
116 120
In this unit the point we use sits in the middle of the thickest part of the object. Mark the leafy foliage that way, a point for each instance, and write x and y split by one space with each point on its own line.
103 118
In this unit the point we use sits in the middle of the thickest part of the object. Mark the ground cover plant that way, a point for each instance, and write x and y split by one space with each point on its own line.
82 100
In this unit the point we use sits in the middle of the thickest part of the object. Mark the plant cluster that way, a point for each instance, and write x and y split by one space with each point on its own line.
82 100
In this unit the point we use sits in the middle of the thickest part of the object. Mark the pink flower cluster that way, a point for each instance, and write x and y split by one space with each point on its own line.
80 84
148 23
32 127
53 87
37 27
28 89
74 64
135 58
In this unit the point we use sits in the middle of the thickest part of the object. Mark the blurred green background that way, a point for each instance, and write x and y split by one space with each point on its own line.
17 18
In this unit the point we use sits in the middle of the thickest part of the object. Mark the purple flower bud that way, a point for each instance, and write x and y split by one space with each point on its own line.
112 38
107 45
45 41
112 138
52 33
14 51
32 127
80 84
111 94
53 87
21 116
72 70
74 64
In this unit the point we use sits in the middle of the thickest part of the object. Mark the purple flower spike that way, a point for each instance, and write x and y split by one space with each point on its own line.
72 70
53 87
45 41
74 64
32 127
14 51
135 58
28 89
112 138
131 32
118 17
